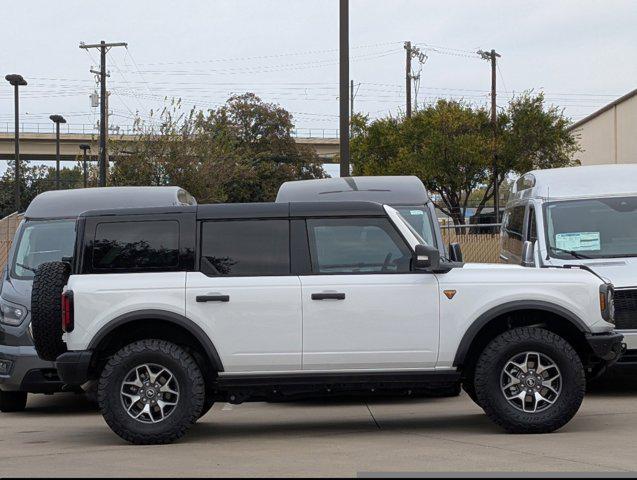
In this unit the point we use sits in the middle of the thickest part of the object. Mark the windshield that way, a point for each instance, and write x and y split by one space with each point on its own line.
419 218
40 242
592 228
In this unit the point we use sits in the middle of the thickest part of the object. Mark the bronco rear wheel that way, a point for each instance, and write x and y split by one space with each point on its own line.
46 309
530 380
151 392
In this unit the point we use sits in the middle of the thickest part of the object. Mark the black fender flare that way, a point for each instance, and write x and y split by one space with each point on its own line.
170 317
489 315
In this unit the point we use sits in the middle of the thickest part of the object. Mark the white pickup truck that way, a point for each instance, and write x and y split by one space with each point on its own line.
172 309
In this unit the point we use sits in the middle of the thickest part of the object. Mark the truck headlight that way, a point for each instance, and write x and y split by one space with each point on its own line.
11 313
607 302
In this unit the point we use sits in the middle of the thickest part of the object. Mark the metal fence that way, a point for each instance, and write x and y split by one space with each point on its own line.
480 242
8 226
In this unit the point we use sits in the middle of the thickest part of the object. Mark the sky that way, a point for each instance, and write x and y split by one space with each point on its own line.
582 54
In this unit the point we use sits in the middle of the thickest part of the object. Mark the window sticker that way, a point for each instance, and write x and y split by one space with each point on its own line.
578 241
416 212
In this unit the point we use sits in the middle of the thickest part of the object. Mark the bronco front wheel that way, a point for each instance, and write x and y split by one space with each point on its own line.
530 380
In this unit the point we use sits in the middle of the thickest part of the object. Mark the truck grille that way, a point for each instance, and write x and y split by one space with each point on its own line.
626 309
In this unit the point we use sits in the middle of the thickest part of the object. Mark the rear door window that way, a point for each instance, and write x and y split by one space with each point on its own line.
137 246
245 248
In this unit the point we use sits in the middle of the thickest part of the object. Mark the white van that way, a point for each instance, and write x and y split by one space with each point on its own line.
579 216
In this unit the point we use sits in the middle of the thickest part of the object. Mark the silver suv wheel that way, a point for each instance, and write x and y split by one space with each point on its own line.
531 382
149 393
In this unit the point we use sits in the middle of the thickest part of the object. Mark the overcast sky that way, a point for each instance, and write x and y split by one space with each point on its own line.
582 53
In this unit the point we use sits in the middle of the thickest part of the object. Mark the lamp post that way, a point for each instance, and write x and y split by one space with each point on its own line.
84 147
57 119
17 81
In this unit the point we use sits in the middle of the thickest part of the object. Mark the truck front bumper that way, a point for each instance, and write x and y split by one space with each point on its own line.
73 367
608 346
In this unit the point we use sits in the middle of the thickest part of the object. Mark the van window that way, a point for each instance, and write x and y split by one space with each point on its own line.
42 241
420 219
143 245
592 228
356 245
512 230
245 247
531 226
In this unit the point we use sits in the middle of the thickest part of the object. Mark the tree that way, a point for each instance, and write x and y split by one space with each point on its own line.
239 152
449 145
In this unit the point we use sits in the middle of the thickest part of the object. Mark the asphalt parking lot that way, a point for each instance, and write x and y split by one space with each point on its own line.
65 436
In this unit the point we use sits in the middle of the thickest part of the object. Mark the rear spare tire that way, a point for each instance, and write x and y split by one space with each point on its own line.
46 309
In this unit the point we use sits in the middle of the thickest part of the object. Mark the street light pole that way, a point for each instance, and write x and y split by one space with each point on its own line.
84 147
17 81
57 119
344 86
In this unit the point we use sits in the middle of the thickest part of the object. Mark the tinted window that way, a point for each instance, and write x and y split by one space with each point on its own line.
357 245
136 245
246 247
512 230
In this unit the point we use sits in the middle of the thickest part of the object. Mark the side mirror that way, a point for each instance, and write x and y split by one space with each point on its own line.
426 257
455 252
528 255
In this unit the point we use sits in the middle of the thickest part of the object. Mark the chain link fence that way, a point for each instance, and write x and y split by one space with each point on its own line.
480 242
8 226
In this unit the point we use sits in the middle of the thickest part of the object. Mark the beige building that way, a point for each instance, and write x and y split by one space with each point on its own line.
609 135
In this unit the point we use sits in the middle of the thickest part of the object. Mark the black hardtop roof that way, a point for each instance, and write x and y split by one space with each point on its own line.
254 210
71 203
390 190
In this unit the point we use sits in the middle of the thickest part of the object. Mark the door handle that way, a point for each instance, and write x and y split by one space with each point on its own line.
212 298
328 296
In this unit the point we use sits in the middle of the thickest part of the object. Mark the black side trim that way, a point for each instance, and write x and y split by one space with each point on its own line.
229 382
486 317
170 317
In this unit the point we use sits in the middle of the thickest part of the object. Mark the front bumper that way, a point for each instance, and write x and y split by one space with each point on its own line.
608 346
24 371
73 367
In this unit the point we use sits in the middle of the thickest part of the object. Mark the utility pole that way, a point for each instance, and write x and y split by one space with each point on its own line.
84 147
17 81
103 154
492 56
344 86
408 80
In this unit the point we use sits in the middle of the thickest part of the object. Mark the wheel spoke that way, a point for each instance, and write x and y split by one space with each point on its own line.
149 393
524 385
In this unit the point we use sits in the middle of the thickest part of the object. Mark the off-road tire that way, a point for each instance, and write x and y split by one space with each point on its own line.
207 405
470 390
488 380
13 401
189 406
46 309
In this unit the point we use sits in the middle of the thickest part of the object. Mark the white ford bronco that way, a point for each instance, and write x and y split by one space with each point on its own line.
172 309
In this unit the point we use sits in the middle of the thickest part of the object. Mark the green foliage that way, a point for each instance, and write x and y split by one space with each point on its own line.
450 146
239 152
34 179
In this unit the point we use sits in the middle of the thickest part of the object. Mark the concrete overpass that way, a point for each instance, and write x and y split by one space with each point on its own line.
41 146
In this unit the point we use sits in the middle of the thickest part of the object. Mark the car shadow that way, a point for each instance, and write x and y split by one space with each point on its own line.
618 381
60 404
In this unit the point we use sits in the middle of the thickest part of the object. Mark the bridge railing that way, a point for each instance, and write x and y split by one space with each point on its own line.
92 129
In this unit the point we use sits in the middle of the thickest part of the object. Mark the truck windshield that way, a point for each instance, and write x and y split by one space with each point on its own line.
420 219
592 228
41 241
